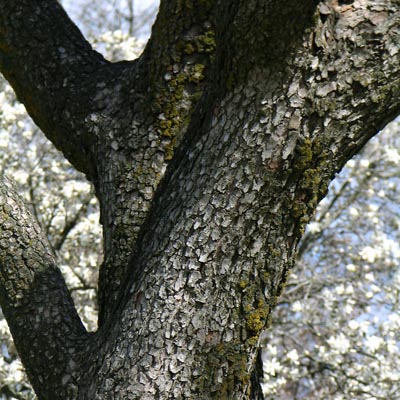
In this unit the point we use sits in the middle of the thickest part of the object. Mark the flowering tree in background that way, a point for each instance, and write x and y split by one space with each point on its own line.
336 327
132 17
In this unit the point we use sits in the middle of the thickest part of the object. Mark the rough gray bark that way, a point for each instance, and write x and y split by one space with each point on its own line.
208 154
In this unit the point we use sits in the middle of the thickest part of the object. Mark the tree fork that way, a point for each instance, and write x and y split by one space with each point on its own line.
209 154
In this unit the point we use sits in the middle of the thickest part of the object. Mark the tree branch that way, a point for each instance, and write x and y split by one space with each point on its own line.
351 73
50 66
71 222
258 33
34 299
226 221
166 88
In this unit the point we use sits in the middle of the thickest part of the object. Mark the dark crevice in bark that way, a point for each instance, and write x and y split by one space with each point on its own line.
256 378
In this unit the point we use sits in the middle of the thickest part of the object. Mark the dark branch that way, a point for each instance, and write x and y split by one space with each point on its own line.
34 299
258 33
50 65
71 222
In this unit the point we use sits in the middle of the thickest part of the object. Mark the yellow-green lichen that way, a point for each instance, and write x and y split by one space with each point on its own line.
243 284
197 73
256 320
256 317
235 357
311 179
182 88
189 48
273 251
206 43
310 166
305 154
299 208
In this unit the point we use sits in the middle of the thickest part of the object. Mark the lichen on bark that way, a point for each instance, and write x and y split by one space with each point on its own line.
208 155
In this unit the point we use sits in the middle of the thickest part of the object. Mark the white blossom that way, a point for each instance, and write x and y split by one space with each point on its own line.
353 325
272 366
351 164
296 306
370 277
393 155
373 343
351 267
314 227
339 342
293 356
369 254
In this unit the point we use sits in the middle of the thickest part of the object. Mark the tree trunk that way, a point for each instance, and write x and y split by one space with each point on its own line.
208 155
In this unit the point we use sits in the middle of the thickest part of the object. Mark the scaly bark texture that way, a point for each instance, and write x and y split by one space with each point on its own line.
209 154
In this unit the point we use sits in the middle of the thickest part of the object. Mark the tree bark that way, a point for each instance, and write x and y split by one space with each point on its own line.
208 154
